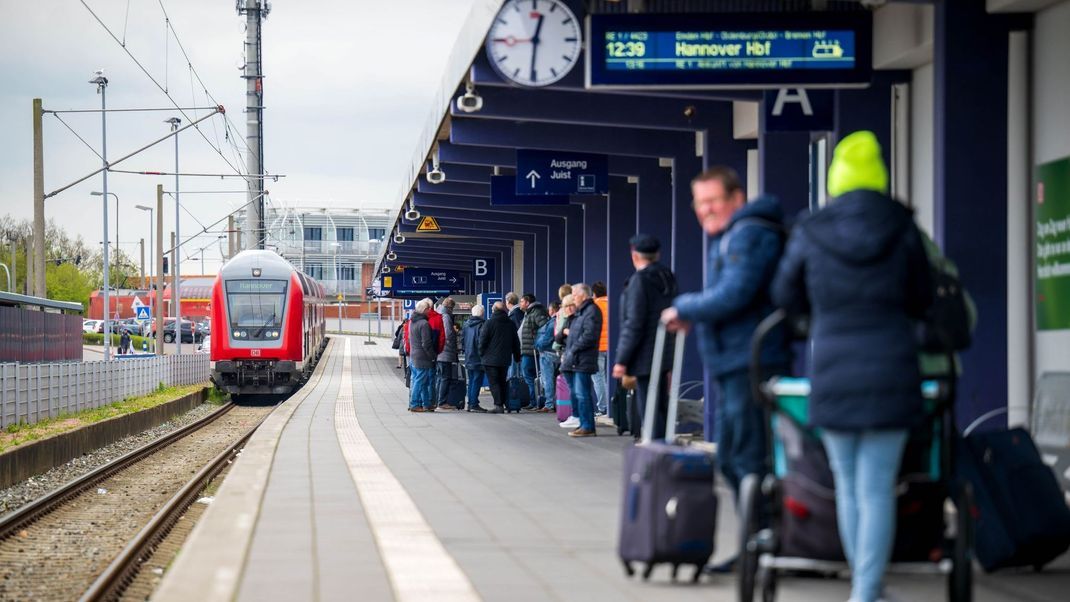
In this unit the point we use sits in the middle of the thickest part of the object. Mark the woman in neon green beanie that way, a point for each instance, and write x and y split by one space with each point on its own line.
859 268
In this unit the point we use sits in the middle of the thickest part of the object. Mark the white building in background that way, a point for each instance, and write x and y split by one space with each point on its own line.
337 247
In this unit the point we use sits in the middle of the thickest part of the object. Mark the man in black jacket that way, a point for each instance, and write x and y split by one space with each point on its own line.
581 356
646 294
499 347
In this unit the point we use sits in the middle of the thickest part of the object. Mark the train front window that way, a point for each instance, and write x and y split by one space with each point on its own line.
255 308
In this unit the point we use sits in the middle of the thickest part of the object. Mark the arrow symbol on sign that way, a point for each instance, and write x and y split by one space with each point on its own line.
453 280
533 175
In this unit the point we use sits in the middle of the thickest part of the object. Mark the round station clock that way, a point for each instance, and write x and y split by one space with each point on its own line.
534 42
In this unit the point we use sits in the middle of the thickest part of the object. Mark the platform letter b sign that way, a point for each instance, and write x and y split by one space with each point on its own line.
482 270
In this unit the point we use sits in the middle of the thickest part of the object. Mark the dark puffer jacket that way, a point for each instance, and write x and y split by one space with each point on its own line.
422 342
646 293
736 298
534 319
471 331
581 345
498 344
860 267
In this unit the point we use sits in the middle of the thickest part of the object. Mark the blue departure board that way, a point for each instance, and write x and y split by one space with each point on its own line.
753 50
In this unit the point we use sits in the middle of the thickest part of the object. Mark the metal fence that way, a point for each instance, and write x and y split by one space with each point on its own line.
32 392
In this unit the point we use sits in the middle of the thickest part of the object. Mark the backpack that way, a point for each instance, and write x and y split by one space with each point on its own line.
399 334
947 325
544 338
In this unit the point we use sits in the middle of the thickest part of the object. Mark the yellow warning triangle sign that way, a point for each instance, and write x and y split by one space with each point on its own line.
428 224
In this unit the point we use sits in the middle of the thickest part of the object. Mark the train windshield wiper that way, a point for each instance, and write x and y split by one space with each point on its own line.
266 323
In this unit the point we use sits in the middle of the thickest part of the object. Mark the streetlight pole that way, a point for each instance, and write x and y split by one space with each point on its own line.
102 87
148 284
176 288
105 195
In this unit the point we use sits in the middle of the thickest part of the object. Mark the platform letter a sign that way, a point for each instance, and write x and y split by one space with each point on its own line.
785 95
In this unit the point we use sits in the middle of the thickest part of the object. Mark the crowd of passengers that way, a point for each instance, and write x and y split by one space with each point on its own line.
859 267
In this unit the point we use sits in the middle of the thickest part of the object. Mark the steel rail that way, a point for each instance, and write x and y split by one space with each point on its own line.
122 570
11 523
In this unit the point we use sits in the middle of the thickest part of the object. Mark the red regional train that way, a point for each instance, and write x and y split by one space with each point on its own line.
268 326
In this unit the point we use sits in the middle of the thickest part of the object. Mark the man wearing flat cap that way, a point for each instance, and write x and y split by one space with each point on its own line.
647 292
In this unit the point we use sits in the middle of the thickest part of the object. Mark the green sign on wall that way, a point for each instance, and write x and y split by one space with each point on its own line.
1052 197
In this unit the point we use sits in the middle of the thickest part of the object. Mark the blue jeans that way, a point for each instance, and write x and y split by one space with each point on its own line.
583 399
475 382
527 371
420 392
547 370
740 430
865 465
600 390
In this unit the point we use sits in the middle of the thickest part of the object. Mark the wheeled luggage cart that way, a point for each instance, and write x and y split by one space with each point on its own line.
788 519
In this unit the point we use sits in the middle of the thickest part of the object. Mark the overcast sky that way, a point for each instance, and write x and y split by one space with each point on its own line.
348 85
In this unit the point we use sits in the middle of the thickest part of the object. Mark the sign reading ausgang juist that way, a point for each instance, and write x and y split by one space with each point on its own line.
431 278
503 192
758 50
561 173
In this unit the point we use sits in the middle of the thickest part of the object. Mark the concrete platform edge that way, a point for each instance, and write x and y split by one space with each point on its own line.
210 564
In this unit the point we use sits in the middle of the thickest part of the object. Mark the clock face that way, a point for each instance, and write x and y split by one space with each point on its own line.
534 42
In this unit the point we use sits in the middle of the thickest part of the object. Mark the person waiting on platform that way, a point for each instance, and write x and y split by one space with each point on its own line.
448 356
422 354
746 241
499 348
581 356
473 361
535 317
601 387
647 292
860 267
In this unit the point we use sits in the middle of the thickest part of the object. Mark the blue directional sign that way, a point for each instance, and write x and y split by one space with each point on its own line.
408 304
540 172
503 192
433 278
799 110
484 269
143 312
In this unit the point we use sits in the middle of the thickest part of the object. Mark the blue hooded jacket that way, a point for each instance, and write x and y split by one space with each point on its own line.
859 267
736 297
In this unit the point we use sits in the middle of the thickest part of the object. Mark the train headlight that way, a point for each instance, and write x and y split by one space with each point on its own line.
237 334
274 333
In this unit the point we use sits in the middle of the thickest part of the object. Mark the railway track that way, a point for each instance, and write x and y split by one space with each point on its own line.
87 539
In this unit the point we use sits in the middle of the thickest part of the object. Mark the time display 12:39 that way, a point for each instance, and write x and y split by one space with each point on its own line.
630 49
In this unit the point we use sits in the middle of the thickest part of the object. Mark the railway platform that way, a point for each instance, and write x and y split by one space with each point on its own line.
343 494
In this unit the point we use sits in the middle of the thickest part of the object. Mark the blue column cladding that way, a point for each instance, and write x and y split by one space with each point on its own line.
970 153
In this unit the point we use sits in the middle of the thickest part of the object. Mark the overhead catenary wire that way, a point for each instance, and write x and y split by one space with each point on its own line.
76 135
155 81
129 110
270 176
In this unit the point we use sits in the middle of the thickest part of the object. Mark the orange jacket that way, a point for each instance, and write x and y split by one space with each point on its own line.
603 341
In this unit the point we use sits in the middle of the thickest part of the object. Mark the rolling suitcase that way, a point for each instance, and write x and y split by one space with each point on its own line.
669 508
564 398
457 389
519 395
1020 512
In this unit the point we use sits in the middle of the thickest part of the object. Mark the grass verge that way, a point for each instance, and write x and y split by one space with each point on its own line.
17 434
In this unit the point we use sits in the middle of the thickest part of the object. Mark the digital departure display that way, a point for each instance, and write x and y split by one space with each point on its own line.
754 50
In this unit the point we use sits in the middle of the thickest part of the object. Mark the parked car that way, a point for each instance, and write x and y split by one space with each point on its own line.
190 333
90 325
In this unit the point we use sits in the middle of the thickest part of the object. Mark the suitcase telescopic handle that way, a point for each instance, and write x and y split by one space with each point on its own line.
650 413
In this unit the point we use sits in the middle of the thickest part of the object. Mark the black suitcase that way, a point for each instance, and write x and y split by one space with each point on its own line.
669 508
519 395
1020 512
457 389
621 407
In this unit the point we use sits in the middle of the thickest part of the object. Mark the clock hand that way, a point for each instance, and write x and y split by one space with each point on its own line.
535 45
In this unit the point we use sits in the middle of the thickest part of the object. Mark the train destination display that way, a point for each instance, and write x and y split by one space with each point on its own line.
717 50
